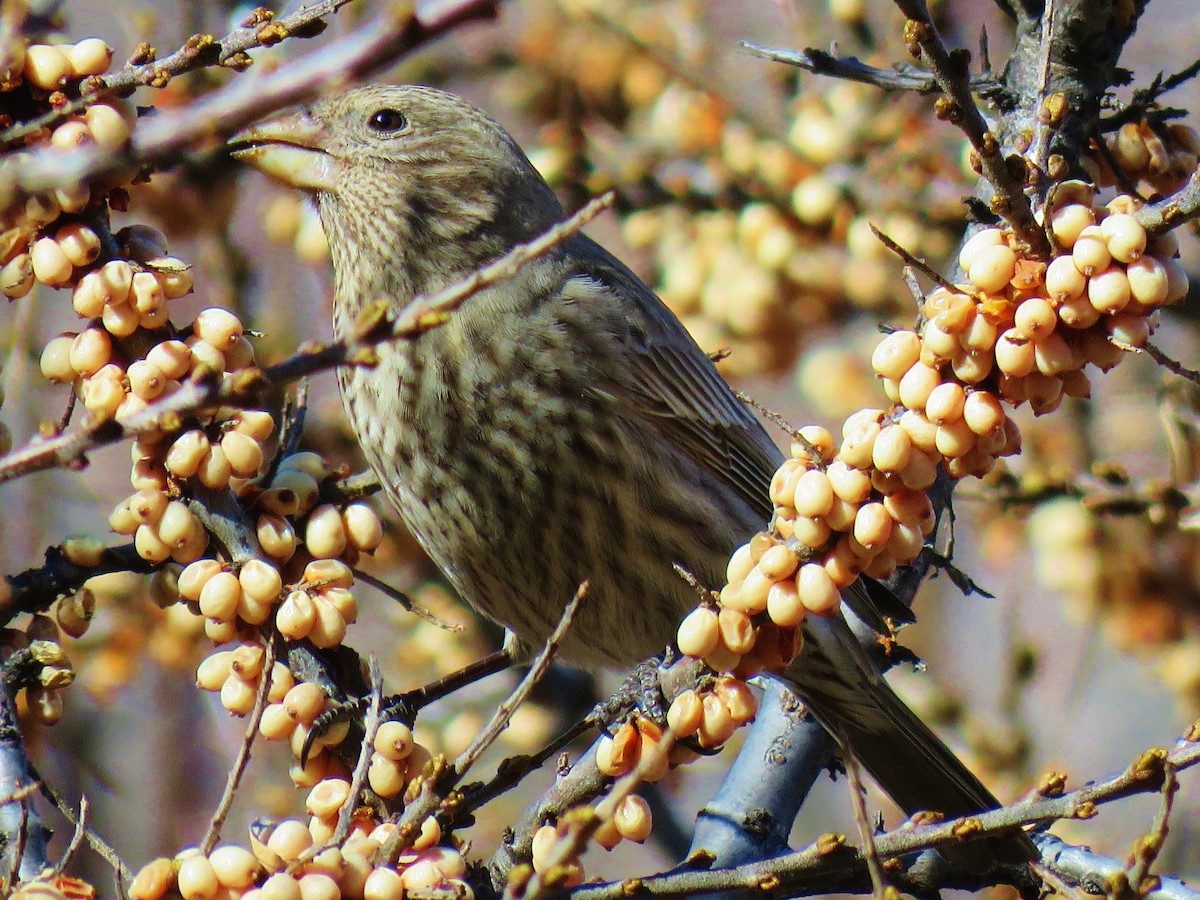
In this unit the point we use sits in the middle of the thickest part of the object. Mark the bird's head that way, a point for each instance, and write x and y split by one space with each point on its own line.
406 177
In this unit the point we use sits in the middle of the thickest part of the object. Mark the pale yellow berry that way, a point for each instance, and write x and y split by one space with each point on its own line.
841 515
16 276
55 361
783 603
778 562
872 526
383 884
858 444
896 354
973 366
214 670
816 589
813 533
394 741
1108 290
254 422
917 384
364 530
187 453
945 403
685 714
329 628
955 439
238 696
716 724
91 56
244 454
1068 222
205 356
983 413
892 450
850 484
1014 353
146 380
1131 330
107 126
736 631
318 886
633 819
1053 355
387 777
280 886
46 67
219 596
196 879
814 493
1126 237
1090 252
1035 318
70 135
218 327
740 564
276 536
698 634
1063 280
289 839
120 319
939 343
50 264
146 294
992 267
297 615
1078 313
214 471
1044 392
1148 281
980 336
115 281
177 524
325 533
987 237
1177 281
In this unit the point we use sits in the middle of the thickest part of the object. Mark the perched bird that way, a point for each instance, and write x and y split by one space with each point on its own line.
562 426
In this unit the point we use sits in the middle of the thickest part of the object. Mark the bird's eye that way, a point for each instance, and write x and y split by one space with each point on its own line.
387 121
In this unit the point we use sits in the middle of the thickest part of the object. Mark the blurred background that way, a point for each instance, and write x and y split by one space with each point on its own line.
745 196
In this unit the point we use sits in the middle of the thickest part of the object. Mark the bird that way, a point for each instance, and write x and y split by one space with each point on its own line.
561 426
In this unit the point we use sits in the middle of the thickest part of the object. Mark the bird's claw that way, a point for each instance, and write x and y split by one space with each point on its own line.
396 708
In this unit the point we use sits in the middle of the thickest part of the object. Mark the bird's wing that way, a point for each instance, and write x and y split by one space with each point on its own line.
671 383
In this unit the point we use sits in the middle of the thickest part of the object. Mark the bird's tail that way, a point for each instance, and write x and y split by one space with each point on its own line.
846 693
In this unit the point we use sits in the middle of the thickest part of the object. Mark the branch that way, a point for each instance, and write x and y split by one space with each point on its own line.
159 139
198 51
1182 206
849 68
250 386
952 76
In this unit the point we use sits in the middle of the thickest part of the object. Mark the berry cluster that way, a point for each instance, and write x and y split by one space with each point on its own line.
1018 330
292 860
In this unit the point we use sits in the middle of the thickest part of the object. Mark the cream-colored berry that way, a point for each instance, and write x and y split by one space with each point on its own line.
896 354
992 268
50 264
55 362
16 276
917 384
633 819
218 327
814 493
1014 353
945 403
1035 318
1126 237
1149 283
698 633
107 126
816 589
1090 252
1063 280
987 237
325 533
219 596
46 67
244 454
276 536
1108 290
1068 222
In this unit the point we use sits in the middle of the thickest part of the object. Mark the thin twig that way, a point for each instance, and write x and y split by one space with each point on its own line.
1147 848
1175 368
77 837
100 846
431 795
866 834
915 262
406 602
213 834
847 68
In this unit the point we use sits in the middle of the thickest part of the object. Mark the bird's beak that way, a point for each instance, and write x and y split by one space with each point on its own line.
290 149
